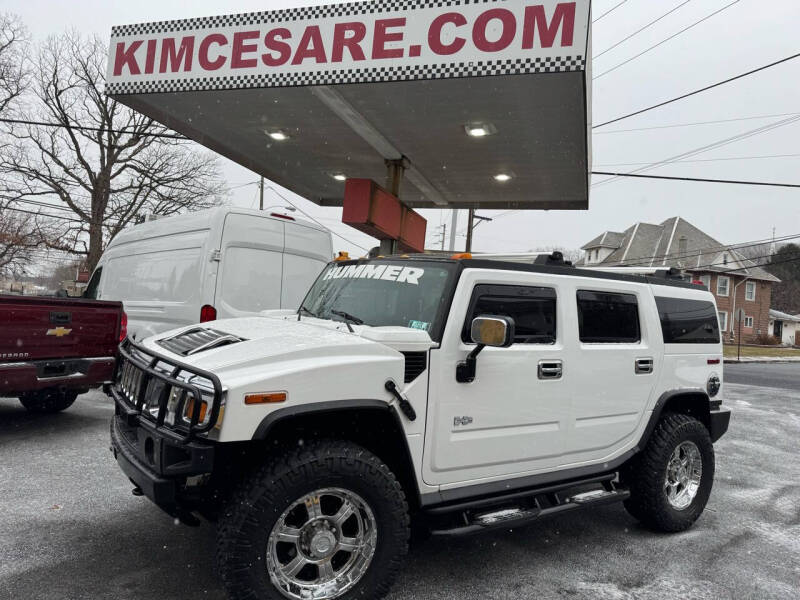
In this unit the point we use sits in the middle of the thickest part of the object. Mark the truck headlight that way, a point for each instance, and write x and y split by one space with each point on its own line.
713 385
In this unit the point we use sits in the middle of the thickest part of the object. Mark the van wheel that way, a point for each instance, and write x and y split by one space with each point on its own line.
327 520
671 479
48 401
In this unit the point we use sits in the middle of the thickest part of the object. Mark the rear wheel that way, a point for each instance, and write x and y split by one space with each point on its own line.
48 401
326 521
671 479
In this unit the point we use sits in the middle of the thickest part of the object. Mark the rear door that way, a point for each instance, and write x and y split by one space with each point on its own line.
307 251
46 328
617 355
249 276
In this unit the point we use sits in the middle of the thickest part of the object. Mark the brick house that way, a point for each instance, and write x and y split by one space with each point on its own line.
736 282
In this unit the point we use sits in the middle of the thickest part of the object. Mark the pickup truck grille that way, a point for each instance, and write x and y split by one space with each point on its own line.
175 396
197 340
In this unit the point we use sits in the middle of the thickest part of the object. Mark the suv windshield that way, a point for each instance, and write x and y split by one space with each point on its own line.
402 293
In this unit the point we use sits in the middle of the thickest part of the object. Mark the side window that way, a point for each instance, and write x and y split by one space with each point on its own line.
688 321
608 318
532 308
94 284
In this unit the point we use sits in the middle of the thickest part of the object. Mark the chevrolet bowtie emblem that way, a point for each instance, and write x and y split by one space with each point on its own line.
59 331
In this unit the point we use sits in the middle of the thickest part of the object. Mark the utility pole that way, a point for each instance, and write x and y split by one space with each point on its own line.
261 194
443 233
453 229
471 226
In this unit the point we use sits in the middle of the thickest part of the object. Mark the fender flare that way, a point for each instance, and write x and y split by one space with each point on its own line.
269 422
661 403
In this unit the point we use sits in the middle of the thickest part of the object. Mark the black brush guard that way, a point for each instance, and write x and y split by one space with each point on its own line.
133 408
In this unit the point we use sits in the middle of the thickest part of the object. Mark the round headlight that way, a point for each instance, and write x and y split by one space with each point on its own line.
713 385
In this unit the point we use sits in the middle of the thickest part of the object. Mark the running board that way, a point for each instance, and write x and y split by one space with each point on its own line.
537 505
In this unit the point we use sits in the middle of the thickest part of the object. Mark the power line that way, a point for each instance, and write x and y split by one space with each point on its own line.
609 11
38 214
699 179
172 136
664 41
301 211
675 125
708 147
698 91
637 32
704 160
641 261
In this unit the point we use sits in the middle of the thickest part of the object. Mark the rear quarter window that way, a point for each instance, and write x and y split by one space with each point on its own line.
686 321
608 318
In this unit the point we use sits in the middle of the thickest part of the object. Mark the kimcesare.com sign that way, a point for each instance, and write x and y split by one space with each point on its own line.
356 42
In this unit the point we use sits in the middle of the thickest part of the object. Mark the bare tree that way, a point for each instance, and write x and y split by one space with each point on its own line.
104 162
18 239
14 74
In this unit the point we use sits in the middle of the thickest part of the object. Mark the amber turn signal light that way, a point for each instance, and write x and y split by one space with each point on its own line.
270 398
189 412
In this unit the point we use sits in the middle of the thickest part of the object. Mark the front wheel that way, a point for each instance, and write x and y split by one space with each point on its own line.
670 480
48 401
326 521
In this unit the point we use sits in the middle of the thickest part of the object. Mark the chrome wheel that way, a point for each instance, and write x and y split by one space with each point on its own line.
322 545
684 472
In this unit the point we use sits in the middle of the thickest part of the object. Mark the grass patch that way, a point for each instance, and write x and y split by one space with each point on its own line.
749 351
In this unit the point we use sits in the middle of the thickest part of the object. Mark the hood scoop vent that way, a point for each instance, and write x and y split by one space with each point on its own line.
199 339
416 363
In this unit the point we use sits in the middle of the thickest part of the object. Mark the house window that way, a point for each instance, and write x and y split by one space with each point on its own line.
682 245
723 286
723 320
706 279
724 259
748 322
750 290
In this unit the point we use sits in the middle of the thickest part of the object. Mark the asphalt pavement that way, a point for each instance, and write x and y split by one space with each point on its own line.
70 528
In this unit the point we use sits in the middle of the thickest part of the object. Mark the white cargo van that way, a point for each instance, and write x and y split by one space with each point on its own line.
214 264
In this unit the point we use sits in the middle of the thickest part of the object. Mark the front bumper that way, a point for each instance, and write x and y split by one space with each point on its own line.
718 421
159 465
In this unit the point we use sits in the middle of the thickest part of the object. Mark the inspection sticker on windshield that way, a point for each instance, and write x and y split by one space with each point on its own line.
419 325
395 273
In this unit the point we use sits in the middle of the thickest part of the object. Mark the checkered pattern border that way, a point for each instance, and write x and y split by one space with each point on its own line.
520 66
286 15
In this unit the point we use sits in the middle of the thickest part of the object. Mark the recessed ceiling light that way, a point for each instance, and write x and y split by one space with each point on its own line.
479 130
278 136
503 177
340 177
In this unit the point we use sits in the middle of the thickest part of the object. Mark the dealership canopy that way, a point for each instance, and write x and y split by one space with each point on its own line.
486 102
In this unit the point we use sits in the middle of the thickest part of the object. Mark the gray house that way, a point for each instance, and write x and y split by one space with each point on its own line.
737 282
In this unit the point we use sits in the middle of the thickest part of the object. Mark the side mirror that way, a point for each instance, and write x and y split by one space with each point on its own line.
496 332
486 330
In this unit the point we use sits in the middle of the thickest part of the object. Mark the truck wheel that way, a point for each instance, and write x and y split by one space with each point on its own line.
48 401
670 480
326 520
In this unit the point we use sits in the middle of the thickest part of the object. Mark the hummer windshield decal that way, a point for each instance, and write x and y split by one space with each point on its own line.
382 293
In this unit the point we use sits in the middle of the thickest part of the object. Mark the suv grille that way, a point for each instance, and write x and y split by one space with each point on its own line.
197 340
416 363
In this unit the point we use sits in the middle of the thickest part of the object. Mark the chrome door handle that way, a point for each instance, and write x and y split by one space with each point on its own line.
644 366
551 369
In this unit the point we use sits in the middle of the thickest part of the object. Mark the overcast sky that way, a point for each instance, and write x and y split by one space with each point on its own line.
747 35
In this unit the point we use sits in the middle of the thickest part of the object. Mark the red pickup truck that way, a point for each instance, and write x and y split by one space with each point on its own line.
52 349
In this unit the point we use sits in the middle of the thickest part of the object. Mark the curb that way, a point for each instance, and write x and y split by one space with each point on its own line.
760 361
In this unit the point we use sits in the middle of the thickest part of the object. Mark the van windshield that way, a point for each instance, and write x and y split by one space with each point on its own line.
382 293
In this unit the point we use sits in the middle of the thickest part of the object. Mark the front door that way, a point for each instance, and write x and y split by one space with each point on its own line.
512 417
779 329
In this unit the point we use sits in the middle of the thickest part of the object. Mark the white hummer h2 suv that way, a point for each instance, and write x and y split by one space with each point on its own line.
462 394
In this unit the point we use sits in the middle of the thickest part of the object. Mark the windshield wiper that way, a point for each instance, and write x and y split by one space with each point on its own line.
302 310
348 318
